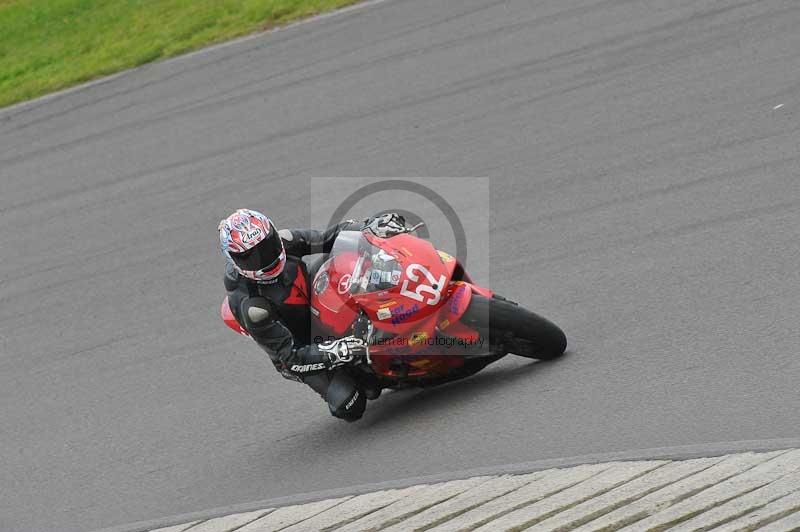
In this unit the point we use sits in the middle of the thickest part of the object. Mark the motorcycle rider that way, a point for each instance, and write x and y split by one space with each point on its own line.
267 284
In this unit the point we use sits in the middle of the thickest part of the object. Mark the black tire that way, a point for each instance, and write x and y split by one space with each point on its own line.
511 328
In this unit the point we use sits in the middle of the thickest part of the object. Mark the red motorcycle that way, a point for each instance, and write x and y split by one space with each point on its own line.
423 316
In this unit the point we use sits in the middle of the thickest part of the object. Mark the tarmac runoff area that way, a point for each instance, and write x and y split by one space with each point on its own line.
731 493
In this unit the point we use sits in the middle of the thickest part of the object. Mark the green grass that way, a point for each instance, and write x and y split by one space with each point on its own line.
46 45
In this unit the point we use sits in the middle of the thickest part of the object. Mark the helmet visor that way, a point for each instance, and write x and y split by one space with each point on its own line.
265 255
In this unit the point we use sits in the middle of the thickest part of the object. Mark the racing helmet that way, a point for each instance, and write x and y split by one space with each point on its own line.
251 242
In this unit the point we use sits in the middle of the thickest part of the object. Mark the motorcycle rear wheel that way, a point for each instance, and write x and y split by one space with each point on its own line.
513 329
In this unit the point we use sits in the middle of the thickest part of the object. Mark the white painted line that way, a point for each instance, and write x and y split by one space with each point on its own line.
672 493
790 523
462 502
416 501
289 515
352 509
747 504
229 522
782 509
777 107
720 492
625 494
546 484
609 479
177 528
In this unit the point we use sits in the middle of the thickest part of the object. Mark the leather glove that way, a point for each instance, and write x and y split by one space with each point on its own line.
347 350
388 225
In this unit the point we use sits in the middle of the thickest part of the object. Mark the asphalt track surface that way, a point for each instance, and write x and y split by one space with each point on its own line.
645 195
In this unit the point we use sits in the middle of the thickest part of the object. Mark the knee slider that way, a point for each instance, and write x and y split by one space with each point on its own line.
257 314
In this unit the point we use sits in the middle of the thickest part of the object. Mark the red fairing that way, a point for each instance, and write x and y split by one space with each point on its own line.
230 319
405 287
459 297
331 303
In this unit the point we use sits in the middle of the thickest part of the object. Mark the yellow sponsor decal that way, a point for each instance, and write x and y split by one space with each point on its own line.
420 363
446 257
444 324
388 303
418 338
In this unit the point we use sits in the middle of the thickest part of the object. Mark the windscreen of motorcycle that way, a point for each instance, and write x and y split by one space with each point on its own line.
354 266
373 269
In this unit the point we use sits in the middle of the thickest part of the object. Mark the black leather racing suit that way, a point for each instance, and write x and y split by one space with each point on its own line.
277 316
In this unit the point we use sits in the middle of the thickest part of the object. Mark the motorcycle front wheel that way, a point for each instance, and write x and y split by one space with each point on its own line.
513 329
